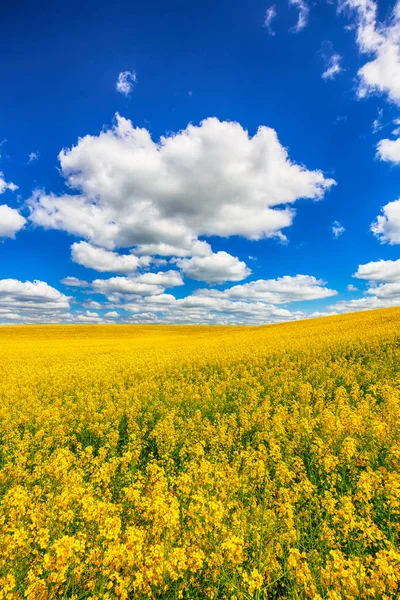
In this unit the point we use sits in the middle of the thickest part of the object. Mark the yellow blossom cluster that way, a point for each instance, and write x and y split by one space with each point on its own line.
172 462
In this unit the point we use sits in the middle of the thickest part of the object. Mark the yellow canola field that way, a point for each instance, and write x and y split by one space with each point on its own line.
201 462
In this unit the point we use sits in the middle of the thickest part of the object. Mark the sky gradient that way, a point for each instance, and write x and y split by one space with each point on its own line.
203 162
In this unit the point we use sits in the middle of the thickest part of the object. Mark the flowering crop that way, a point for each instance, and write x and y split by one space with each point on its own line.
201 462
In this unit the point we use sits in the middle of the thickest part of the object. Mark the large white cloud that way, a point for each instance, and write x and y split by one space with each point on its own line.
382 41
216 268
103 260
277 291
10 221
386 227
211 179
382 271
31 301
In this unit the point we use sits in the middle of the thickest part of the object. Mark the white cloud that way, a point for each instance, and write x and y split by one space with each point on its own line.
333 67
270 15
31 301
10 221
126 82
33 157
103 260
4 186
146 284
206 309
383 290
276 291
382 40
377 123
112 315
337 229
216 268
389 150
74 282
304 11
88 317
351 288
386 227
211 179
381 271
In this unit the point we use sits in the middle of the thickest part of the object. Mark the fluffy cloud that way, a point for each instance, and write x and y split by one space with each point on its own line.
389 150
270 15
112 315
381 271
31 301
383 290
337 229
386 227
382 40
103 260
126 82
216 268
4 186
304 11
206 309
211 179
88 317
74 282
277 291
10 221
147 284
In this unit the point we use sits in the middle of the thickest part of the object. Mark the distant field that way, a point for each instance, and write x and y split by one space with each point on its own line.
201 462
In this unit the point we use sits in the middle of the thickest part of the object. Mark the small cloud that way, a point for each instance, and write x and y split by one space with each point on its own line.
333 67
252 257
337 229
352 288
331 59
126 82
190 93
74 282
32 157
269 17
377 124
302 19
341 118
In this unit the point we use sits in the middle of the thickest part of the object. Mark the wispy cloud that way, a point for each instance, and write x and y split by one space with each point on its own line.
270 15
126 82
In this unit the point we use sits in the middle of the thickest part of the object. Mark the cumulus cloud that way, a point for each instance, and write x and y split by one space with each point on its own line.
270 15
332 67
216 268
381 271
112 315
351 288
74 282
88 317
211 179
146 284
31 301
4 186
206 309
277 291
10 221
337 229
386 227
103 260
304 11
383 277
382 41
389 150
126 82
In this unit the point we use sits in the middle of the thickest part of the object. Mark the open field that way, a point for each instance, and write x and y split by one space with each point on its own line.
201 462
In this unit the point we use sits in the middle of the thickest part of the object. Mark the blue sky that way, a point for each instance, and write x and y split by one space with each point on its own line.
274 189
